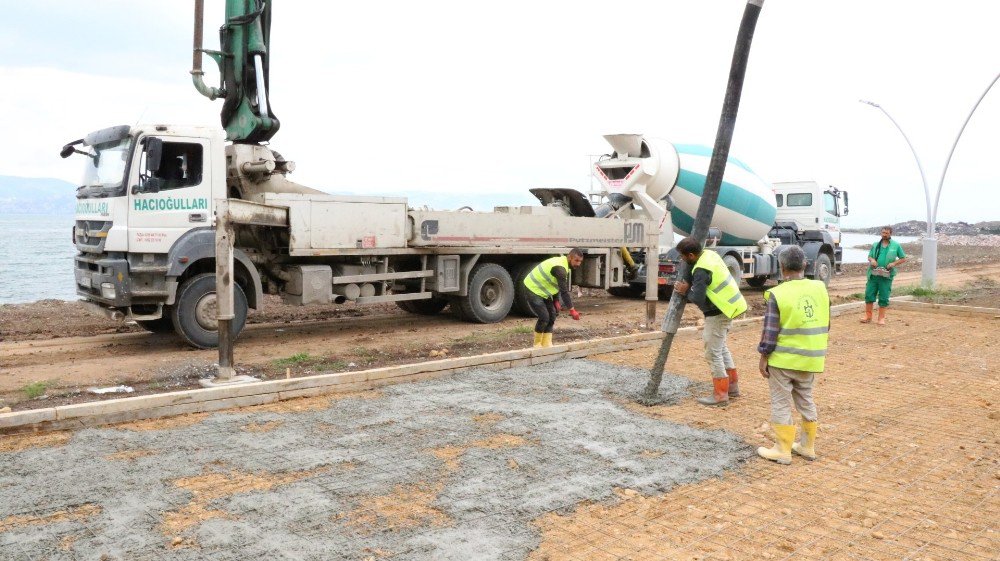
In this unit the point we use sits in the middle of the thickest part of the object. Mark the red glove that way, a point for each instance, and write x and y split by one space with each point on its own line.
557 305
575 314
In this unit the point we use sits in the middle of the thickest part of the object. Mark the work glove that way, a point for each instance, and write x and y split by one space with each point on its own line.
574 314
557 305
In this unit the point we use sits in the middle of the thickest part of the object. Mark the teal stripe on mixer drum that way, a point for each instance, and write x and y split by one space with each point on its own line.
732 197
699 150
685 223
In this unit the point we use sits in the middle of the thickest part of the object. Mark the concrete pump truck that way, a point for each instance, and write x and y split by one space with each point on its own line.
145 220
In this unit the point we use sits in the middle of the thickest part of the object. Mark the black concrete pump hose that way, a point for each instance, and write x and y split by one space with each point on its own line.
713 183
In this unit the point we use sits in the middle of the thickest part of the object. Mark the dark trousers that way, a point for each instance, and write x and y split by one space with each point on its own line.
545 309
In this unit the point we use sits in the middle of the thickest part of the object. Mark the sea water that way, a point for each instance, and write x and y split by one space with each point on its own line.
36 258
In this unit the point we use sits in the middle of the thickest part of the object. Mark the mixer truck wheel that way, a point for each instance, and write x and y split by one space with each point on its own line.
664 292
426 307
491 294
161 325
822 270
735 269
194 313
626 292
521 292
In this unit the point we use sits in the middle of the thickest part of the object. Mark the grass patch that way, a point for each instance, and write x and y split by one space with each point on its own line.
365 353
297 359
36 389
485 336
932 294
858 296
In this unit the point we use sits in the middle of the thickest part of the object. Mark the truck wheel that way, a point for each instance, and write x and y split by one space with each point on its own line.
194 313
426 307
822 270
626 292
162 325
491 294
405 306
757 282
521 292
734 267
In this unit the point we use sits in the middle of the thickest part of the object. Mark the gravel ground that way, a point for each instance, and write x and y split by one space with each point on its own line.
457 468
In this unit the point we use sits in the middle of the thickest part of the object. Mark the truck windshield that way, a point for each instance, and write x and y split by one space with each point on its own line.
104 171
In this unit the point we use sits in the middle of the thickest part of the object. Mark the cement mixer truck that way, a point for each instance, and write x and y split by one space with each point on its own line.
753 222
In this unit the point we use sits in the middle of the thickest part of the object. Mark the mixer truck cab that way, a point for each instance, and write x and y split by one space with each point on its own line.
808 205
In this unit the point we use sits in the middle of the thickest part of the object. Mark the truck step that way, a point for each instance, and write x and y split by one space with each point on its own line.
394 297
382 276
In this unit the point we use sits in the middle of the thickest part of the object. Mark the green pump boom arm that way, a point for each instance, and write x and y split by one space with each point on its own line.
243 65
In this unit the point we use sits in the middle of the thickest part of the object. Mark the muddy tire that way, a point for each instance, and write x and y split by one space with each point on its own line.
427 307
664 292
822 269
162 325
491 294
521 293
626 292
735 269
194 313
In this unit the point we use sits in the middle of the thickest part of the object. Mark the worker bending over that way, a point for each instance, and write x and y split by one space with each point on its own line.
792 351
549 283
714 290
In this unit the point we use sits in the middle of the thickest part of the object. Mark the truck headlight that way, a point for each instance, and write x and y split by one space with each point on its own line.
107 290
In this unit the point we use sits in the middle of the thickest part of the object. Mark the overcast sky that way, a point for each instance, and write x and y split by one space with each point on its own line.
500 97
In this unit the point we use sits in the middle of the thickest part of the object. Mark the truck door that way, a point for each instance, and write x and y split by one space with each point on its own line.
831 215
171 199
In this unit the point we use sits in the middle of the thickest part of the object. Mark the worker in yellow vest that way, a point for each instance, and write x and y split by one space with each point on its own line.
792 351
549 286
714 290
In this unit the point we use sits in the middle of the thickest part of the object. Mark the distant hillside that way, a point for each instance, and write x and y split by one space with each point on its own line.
919 227
26 195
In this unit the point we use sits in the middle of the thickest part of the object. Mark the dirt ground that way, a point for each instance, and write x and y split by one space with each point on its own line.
497 466
54 352
909 461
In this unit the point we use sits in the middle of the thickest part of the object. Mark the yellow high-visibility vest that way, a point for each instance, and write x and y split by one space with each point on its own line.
804 306
724 290
541 281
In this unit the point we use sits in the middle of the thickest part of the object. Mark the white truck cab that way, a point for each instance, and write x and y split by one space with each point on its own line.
811 206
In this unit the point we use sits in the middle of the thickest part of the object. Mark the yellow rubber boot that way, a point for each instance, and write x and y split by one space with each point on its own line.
546 339
806 446
782 450
538 339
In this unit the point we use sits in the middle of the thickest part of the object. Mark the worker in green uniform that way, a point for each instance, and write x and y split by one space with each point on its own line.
549 286
885 255
713 289
792 352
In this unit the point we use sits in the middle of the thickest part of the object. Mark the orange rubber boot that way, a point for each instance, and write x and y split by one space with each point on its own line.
720 395
734 382
868 313
881 315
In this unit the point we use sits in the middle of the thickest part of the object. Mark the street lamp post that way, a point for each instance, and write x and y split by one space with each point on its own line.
930 243
929 267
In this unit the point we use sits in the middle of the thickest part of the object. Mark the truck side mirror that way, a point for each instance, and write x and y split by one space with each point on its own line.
154 154
845 203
